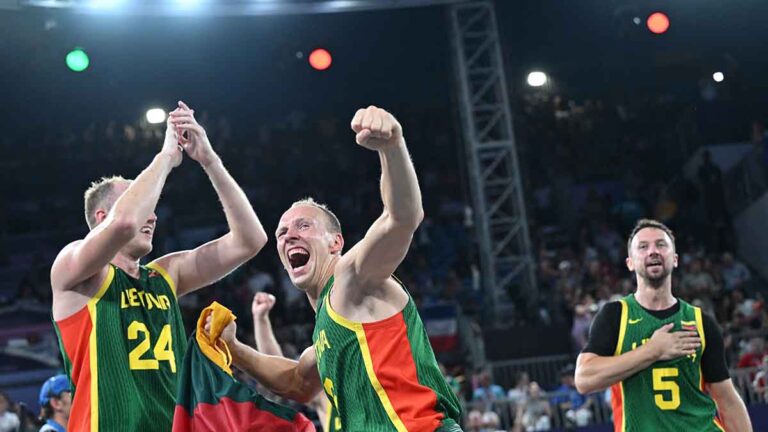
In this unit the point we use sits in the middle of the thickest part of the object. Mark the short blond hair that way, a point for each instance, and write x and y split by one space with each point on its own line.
100 195
334 225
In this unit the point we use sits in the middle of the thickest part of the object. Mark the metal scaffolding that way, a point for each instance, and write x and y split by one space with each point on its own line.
505 249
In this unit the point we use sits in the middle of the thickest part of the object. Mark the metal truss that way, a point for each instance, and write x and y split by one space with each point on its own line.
506 256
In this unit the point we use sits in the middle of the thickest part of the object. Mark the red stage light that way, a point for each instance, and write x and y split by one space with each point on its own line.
658 23
320 59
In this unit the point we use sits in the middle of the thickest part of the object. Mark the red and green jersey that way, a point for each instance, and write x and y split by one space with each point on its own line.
122 352
669 395
381 376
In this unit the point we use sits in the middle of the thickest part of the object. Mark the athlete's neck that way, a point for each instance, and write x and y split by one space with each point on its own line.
653 298
321 278
127 264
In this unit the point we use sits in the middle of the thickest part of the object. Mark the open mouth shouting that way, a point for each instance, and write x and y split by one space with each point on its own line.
298 258
147 230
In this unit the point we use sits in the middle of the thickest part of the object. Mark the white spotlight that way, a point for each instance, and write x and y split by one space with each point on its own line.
156 115
188 4
718 76
104 4
537 79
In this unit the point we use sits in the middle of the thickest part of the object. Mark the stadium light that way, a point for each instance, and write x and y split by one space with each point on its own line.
537 79
155 115
718 76
77 60
188 4
104 4
658 23
320 59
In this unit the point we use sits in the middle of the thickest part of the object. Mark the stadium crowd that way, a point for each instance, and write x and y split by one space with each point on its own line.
591 171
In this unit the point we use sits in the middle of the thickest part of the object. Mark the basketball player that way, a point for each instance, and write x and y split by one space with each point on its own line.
118 321
371 354
266 343
663 358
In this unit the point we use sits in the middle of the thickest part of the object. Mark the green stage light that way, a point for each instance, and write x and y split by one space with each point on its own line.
77 60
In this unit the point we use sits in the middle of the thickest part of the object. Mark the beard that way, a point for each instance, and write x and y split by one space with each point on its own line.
655 280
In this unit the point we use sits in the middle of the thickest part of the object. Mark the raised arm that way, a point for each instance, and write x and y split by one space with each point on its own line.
387 241
85 258
596 373
210 262
296 380
262 326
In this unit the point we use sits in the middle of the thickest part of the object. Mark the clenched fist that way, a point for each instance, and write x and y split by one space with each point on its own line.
262 304
376 129
227 334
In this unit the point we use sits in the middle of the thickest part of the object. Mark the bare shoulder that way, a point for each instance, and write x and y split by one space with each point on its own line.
69 297
366 300
62 266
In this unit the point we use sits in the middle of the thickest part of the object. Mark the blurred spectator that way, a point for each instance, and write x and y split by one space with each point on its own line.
535 414
735 273
9 421
582 318
454 382
55 403
576 407
755 354
760 382
487 421
697 283
519 392
486 390
711 179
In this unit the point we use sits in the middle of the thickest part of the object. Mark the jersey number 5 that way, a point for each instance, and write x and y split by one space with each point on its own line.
162 349
660 384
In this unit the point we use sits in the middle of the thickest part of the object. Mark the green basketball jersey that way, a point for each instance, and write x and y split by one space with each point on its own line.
381 376
669 395
122 352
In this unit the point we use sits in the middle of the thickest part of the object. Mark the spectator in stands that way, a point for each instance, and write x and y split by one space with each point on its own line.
760 381
487 421
519 392
711 180
454 382
9 421
755 354
535 414
582 318
735 273
697 283
486 390
55 403
576 407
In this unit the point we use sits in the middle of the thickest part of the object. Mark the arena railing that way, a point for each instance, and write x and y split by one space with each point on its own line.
508 410
544 370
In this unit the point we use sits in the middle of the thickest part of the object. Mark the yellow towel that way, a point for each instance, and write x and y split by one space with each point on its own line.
211 345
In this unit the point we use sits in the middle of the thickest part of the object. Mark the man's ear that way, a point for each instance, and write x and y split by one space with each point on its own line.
337 243
100 215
